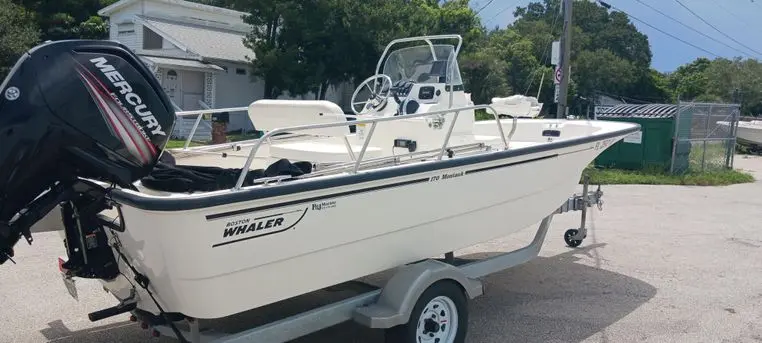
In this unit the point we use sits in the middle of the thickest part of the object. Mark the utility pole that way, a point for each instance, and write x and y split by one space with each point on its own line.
564 64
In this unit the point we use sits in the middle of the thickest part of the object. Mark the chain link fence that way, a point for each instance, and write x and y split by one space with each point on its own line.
705 137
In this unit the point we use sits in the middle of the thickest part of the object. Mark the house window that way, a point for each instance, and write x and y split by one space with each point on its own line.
126 28
240 71
151 40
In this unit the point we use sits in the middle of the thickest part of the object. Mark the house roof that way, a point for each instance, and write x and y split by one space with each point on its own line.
182 63
108 10
207 42
639 111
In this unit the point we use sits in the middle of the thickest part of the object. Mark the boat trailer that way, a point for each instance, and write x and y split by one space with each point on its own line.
403 305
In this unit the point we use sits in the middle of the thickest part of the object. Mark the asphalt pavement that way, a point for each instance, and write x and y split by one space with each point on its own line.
660 264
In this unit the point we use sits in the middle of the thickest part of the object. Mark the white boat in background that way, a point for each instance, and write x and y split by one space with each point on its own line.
519 106
419 178
748 132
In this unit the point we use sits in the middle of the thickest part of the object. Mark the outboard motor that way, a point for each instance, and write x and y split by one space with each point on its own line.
69 111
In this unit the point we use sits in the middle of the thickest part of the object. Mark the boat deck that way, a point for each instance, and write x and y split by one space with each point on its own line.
233 155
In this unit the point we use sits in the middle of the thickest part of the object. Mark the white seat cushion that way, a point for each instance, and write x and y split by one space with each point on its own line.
267 115
320 151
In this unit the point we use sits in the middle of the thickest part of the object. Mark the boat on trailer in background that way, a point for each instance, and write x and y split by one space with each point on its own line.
747 132
313 205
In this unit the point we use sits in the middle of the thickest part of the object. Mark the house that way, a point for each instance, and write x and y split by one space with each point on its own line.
197 53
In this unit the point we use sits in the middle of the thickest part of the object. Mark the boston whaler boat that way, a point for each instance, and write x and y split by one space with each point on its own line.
747 132
84 125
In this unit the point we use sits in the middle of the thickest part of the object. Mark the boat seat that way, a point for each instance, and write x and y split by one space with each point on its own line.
269 114
320 150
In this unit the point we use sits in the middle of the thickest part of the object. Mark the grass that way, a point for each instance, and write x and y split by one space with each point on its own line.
652 177
705 167
232 137
179 143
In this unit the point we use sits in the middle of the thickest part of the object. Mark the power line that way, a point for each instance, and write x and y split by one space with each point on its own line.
716 29
694 30
719 3
547 47
500 12
743 20
485 6
604 4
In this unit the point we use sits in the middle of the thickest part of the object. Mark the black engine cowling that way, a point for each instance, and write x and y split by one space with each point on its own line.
69 109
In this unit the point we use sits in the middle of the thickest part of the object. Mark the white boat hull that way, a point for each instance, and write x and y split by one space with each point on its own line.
748 131
283 246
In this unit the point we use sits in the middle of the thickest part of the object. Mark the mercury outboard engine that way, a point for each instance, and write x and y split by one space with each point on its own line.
69 111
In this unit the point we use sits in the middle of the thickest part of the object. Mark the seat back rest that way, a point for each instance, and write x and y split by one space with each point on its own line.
269 114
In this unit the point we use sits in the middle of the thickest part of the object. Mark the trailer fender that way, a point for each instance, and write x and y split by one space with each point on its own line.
401 292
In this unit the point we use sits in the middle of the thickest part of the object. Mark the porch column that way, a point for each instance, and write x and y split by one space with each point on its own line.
210 85
159 73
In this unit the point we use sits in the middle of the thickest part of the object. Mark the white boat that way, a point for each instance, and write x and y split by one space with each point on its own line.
365 218
748 132
419 178
517 105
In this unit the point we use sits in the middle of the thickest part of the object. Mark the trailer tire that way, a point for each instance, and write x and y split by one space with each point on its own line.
440 305
568 238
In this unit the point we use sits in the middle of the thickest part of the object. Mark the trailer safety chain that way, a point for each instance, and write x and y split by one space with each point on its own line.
143 281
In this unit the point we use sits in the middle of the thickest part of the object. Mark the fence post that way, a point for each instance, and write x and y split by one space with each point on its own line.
675 138
706 137
731 152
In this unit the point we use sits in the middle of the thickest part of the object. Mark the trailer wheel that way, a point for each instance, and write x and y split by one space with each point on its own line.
439 316
568 238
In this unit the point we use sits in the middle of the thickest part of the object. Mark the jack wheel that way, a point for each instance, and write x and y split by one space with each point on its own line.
568 238
439 316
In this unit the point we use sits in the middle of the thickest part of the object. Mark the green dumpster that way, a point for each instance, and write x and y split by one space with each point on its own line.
649 149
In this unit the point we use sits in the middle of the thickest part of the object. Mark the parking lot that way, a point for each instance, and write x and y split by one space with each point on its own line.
660 264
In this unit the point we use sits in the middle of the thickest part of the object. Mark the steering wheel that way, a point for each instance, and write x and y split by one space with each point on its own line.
379 95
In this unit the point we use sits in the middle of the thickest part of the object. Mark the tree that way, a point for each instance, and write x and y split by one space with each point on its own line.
18 34
275 57
718 80
307 46
484 76
602 70
68 19
608 53
689 81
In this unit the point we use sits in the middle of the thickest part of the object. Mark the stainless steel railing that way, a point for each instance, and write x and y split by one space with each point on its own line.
374 121
200 114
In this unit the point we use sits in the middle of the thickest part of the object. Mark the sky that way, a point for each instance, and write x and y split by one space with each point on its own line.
735 19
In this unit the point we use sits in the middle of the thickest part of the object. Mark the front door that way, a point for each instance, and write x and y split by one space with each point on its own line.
172 86
192 89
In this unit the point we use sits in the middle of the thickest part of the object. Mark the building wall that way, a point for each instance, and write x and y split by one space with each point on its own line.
120 24
217 17
184 125
230 88
233 89
132 35
184 87
334 94
124 29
